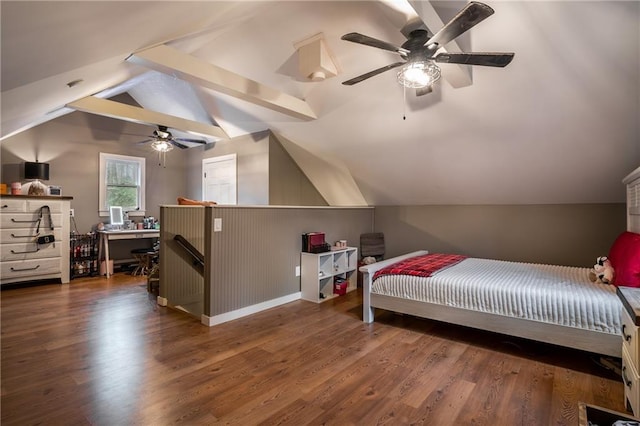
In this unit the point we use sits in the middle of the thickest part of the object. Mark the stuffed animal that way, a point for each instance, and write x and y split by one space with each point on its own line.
602 271
369 260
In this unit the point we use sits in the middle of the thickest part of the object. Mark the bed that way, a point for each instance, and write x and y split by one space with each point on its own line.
547 303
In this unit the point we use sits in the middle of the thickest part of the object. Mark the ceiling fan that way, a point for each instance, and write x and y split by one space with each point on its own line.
419 70
163 141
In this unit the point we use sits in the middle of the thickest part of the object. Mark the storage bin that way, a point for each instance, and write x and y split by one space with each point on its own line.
340 286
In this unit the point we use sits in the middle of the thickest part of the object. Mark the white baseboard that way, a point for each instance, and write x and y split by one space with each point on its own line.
239 313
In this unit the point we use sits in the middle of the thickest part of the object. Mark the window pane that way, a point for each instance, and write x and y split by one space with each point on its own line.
122 172
122 182
127 197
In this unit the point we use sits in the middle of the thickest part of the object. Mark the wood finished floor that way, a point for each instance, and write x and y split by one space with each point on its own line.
101 352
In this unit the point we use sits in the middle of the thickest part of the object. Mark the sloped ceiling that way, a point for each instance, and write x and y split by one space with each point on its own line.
560 124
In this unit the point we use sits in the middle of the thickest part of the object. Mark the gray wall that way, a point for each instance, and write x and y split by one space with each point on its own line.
252 167
288 185
267 175
572 234
72 144
565 234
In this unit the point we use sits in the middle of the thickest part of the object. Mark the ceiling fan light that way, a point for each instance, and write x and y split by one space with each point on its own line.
161 146
419 74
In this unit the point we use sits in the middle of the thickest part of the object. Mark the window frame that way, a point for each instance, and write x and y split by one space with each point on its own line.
103 209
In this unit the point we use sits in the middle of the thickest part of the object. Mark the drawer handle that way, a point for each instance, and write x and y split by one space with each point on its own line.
23 236
627 337
627 382
24 269
25 252
23 221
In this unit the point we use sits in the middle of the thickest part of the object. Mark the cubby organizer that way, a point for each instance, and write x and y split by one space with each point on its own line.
320 270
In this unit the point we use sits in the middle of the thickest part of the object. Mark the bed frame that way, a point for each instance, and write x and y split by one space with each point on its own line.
591 341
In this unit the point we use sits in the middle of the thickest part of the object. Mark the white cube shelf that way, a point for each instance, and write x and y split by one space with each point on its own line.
319 270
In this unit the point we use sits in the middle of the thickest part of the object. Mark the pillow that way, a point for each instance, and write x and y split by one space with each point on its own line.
625 259
188 202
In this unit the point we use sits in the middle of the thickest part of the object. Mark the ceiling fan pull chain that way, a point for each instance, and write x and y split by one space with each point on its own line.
404 102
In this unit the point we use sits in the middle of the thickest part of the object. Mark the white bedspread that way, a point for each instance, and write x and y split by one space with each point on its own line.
548 293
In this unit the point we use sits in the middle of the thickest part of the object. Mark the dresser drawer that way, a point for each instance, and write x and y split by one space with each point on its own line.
55 206
631 382
13 206
28 220
26 235
630 339
29 268
26 251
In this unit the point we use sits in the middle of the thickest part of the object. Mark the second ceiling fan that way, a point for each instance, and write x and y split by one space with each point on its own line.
163 140
418 53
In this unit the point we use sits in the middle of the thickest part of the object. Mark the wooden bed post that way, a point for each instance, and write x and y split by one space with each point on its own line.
368 312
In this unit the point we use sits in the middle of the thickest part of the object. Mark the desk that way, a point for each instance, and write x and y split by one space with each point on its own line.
106 236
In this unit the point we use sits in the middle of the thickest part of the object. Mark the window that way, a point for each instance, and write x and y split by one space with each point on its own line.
122 183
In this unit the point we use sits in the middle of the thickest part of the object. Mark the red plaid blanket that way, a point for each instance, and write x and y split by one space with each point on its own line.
421 266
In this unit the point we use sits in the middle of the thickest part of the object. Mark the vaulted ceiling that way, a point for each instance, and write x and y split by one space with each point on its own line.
560 124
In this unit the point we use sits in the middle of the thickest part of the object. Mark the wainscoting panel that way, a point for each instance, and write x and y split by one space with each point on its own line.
180 283
253 257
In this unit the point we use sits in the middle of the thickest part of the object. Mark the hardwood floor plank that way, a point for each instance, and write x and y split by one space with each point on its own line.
100 351
568 386
531 396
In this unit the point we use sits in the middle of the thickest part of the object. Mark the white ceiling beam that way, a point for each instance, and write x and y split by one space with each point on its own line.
134 114
171 61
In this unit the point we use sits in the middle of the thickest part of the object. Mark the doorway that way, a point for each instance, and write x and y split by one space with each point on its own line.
219 179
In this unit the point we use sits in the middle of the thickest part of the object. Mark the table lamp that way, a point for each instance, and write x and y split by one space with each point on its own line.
36 171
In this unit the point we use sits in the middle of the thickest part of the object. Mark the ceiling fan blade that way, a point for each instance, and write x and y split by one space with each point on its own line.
178 144
373 42
424 90
145 141
141 135
371 74
471 15
486 59
190 140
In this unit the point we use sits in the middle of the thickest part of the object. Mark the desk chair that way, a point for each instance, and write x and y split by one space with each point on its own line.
153 279
372 244
144 257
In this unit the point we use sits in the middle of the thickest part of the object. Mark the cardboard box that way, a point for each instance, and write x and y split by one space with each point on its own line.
103 270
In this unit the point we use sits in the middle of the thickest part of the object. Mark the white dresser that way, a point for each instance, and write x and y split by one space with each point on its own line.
21 258
630 298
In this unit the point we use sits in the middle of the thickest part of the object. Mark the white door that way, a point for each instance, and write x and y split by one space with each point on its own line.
219 179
